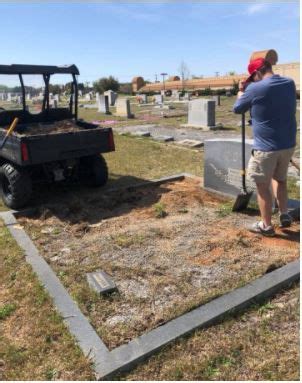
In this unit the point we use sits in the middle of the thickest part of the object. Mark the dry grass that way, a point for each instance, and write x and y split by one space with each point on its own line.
34 343
261 344
168 248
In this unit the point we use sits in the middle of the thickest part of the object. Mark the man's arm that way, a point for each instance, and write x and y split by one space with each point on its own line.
244 101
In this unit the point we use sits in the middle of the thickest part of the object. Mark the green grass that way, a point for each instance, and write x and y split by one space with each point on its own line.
142 159
6 310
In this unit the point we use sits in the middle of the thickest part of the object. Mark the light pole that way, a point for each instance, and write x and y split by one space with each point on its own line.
164 74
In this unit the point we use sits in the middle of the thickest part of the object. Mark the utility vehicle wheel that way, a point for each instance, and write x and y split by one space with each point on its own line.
15 186
93 170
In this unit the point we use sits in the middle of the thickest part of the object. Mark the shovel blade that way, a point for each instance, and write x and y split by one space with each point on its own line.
242 201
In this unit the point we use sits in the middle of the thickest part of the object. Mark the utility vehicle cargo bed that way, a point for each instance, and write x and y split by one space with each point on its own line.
34 144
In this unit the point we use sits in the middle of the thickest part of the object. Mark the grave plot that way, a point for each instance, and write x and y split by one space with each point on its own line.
168 249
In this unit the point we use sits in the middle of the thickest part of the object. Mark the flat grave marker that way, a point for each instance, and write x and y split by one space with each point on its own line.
101 282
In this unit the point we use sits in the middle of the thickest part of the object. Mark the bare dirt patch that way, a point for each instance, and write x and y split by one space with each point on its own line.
167 247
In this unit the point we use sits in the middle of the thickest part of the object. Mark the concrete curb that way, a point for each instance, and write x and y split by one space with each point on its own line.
107 363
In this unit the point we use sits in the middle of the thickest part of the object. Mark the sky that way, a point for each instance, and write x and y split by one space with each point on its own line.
127 39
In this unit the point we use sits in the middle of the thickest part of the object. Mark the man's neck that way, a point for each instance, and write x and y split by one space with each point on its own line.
268 74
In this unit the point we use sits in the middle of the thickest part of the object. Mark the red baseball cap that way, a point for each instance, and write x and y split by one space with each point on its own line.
255 65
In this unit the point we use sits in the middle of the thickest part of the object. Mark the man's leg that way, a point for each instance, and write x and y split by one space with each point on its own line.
280 193
264 198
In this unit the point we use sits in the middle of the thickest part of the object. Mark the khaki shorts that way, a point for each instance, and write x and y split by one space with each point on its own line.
265 166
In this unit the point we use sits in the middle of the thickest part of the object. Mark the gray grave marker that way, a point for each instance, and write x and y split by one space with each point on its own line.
101 282
112 96
201 114
222 165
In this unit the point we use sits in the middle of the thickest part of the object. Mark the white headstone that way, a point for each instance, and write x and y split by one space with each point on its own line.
123 108
103 104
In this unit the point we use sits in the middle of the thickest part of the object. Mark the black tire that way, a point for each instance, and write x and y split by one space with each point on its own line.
15 186
93 171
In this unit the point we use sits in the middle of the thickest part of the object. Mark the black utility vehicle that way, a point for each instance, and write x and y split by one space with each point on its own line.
51 145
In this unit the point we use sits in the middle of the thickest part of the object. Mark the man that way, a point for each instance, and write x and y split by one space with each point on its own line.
272 102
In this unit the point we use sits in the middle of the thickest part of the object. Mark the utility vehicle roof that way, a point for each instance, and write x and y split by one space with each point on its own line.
37 69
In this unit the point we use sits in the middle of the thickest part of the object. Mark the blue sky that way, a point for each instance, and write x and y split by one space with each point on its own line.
130 39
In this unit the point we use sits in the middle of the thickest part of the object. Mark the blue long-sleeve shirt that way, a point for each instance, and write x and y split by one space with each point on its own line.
272 102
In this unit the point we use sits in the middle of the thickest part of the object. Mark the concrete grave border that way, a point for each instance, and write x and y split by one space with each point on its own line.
125 357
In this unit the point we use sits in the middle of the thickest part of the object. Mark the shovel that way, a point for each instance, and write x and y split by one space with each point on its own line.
243 198
9 132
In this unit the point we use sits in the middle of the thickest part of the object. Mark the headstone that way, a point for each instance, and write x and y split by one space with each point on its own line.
103 104
9 96
28 96
101 282
19 100
175 95
187 96
222 165
162 92
112 96
159 99
123 108
54 103
201 113
80 93
88 97
216 99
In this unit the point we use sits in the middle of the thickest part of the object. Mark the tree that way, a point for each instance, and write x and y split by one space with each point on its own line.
55 88
106 83
231 73
184 72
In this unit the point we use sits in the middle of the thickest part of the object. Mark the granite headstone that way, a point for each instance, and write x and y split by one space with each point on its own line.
222 165
201 113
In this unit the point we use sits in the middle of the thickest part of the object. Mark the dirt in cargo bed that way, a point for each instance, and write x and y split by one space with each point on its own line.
169 248
64 126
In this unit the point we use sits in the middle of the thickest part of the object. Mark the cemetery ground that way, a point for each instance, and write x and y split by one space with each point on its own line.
124 234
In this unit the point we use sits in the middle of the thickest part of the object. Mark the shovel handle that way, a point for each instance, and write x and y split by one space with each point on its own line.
12 127
9 131
243 151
